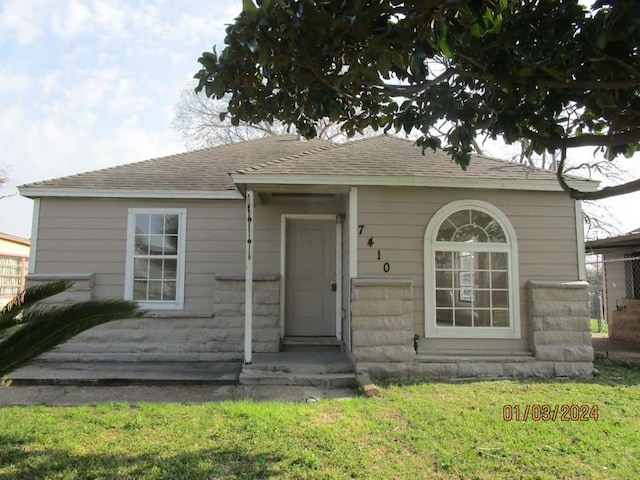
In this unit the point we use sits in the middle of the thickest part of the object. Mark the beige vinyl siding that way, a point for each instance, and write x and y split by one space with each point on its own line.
396 218
89 236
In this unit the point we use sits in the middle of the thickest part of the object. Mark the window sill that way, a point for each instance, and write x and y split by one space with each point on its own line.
156 306
487 333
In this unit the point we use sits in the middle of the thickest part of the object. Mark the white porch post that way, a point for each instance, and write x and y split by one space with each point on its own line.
339 277
248 282
353 233
353 254
582 268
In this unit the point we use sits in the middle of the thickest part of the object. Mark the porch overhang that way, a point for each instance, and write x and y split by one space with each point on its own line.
340 183
287 189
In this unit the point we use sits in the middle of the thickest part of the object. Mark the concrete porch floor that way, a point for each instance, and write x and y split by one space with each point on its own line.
167 373
127 373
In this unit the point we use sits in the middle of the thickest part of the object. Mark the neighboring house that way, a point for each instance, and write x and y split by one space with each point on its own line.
621 258
14 262
414 266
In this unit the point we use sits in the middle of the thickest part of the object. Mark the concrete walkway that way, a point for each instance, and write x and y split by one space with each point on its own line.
80 383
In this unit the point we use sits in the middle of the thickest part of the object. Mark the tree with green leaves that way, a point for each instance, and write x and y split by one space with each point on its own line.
29 326
558 74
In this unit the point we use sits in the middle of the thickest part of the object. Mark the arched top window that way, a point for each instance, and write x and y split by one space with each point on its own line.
471 273
471 226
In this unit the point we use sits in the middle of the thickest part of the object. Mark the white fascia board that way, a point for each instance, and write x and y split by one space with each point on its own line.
411 181
37 192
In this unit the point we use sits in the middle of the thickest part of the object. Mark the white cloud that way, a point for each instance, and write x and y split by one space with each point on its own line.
87 84
13 83
74 19
24 20
111 16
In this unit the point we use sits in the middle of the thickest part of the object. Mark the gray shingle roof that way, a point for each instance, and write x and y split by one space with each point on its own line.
208 170
391 156
203 170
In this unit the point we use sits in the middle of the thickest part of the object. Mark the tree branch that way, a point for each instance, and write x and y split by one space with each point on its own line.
589 84
418 87
606 192
613 140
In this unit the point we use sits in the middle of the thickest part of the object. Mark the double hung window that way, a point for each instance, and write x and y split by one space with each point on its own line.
155 257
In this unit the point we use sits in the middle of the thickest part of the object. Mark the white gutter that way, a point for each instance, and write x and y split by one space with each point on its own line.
36 192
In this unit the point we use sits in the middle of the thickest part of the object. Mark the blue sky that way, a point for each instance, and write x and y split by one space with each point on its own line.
87 84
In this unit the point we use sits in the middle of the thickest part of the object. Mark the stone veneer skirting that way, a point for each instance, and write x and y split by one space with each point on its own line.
175 336
383 332
382 327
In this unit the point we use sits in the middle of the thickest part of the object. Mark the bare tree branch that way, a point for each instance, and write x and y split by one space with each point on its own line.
606 192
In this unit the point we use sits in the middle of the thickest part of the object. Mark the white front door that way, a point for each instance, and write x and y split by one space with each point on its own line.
310 278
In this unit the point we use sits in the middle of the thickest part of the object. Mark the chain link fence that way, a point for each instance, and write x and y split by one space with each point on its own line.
614 289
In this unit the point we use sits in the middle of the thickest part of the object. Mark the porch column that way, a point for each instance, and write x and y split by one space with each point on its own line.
248 282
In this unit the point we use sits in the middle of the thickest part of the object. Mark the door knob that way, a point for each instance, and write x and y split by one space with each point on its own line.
334 286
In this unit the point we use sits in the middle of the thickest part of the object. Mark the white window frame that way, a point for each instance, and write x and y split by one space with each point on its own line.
178 303
431 246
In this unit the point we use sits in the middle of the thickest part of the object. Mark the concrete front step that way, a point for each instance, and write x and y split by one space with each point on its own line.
308 368
290 344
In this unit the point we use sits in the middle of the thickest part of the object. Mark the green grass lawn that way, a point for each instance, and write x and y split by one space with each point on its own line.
431 430
594 326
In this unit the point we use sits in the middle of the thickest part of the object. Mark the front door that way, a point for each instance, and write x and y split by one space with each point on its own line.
310 275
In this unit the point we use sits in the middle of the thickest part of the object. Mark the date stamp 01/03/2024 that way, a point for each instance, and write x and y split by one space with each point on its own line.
550 413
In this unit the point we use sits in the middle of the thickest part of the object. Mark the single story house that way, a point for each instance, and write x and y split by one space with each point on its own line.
14 262
621 259
412 266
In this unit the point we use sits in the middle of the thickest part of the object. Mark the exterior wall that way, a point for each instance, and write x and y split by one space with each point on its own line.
560 325
228 310
395 218
382 320
176 337
382 335
87 237
81 290
615 282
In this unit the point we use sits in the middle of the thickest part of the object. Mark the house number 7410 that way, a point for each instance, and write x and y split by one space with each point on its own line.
386 267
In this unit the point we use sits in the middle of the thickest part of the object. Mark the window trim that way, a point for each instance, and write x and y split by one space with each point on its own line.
432 330
178 304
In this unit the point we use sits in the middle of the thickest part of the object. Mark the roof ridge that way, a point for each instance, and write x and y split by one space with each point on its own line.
281 160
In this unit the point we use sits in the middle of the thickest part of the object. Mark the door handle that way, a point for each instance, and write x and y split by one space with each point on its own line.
334 286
